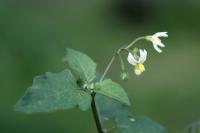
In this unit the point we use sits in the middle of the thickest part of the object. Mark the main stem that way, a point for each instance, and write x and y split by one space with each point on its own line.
95 114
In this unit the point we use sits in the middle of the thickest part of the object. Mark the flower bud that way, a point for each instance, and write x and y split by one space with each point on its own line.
124 76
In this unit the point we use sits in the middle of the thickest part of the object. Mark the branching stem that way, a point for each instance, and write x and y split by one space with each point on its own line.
118 54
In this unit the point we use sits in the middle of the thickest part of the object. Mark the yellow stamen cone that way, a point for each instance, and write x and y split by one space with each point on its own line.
141 67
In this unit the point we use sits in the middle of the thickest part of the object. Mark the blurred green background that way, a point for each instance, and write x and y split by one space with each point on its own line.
35 33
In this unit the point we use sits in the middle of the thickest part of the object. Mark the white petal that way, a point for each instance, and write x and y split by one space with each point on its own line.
160 44
131 59
143 56
156 48
138 72
160 34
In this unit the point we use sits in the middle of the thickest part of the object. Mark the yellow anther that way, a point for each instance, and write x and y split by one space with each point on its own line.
141 67
157 40
153 39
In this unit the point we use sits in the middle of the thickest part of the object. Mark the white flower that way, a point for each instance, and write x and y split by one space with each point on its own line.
138 63
156 40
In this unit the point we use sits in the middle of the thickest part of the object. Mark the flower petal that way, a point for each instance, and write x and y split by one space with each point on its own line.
161 44
143 56
160 34
138 72
157 48
132 60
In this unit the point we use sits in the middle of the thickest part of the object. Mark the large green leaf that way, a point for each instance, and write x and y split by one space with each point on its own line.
112 90
51 92
82 64
117 117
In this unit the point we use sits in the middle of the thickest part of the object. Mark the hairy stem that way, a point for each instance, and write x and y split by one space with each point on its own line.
95 114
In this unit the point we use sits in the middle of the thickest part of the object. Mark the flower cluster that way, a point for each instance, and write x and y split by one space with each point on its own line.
137 60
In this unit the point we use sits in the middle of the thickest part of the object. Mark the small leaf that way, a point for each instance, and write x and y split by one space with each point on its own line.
112 90
121 119
52 92
82 64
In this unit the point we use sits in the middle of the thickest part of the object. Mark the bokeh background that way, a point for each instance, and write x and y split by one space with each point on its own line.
35 33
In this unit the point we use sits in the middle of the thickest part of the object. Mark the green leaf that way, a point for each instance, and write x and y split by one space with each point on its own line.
112 90
194 127
52 92
82 64
140 124
117 117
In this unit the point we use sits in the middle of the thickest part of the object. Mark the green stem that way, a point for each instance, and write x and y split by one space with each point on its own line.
94 109
122 63
118 53
133 42
108 67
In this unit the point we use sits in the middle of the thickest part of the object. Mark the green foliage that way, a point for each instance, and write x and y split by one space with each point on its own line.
122 119
53 91
112 90
82 64
59 91
138 125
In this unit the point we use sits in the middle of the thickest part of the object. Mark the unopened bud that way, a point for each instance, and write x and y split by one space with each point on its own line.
124 76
